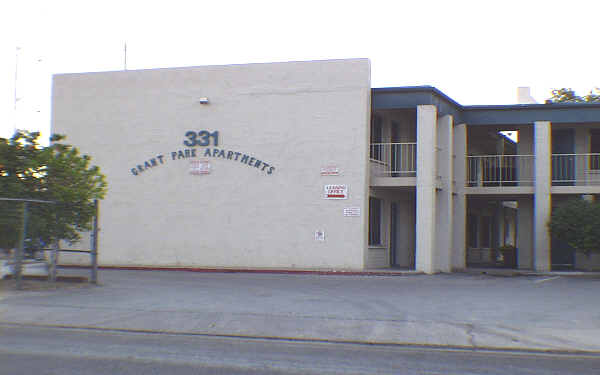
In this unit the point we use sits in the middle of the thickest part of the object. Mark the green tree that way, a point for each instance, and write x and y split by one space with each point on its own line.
567 95
577 222
55 173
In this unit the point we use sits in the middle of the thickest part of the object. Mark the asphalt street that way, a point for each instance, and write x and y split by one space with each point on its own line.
45 351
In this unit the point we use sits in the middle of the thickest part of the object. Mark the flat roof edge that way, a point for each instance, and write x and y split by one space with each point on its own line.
466 108
211 66
543 106
426 89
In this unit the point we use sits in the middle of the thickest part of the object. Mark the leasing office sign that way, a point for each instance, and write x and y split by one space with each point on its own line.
336 191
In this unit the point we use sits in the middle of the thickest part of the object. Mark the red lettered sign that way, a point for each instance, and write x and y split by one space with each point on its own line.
199 167
336 191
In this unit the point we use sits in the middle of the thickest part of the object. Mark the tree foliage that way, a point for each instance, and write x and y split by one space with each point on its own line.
567 95
55 173
577 222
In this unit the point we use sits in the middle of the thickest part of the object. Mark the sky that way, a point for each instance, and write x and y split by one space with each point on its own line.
476 52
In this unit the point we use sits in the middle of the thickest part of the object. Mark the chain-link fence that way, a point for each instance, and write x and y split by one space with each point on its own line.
26 239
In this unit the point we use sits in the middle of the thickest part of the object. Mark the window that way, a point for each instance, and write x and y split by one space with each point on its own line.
376 138
374 221
473 230
595 149
486 232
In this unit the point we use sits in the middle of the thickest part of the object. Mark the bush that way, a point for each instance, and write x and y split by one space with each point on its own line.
56 173
577 222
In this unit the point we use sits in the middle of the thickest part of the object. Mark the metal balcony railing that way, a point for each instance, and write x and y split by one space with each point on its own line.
500 170
393 159
575 169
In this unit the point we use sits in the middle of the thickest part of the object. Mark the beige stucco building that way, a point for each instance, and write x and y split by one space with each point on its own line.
304 165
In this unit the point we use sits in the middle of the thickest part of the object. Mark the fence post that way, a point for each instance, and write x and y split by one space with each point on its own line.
53 261
94 252
18 268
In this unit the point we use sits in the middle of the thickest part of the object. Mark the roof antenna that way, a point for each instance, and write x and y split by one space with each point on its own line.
125 57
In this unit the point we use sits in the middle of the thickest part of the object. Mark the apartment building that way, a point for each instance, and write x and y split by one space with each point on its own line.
452 184
304 165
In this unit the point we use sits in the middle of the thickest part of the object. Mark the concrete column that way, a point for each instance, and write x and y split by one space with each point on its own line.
542 200
444 202
426 184
525 233
459 220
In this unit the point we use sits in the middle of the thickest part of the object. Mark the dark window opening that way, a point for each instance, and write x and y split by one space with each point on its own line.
374 221
486 232
376 138
473 230
595 148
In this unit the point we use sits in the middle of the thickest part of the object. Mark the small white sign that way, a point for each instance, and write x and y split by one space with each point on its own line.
351 211
330 170
319 235
335 191
199 167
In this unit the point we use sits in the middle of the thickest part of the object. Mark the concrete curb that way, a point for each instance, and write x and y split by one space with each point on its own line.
384 272
261 270
512 272
592 353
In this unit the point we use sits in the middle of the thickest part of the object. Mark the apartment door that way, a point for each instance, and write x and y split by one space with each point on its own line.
563 163
402 235
393 234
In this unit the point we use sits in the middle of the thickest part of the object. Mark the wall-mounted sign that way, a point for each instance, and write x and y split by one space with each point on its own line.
351 211
199 167
319 235
335 191
330 170
202 138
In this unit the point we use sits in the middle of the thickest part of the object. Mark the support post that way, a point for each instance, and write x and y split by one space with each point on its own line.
53 261
542 199
444 204
459 221
426 187
94 247
18 268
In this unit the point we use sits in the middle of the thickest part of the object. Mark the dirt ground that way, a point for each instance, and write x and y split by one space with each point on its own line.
41 284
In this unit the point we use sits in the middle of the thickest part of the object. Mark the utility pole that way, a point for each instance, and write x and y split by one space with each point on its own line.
16 76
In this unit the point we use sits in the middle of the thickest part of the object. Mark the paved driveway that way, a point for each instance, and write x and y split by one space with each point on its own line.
555 313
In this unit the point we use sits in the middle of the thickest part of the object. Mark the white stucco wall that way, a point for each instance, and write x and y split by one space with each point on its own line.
297 117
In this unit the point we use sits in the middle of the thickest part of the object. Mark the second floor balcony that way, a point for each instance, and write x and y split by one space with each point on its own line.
576 169
393 159
395 164
519 170
500 170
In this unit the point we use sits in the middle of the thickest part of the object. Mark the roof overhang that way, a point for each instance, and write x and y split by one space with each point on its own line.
388 98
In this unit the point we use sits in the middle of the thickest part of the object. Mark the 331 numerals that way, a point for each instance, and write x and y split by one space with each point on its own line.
201 138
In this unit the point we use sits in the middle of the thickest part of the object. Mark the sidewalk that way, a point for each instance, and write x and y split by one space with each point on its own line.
536 312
